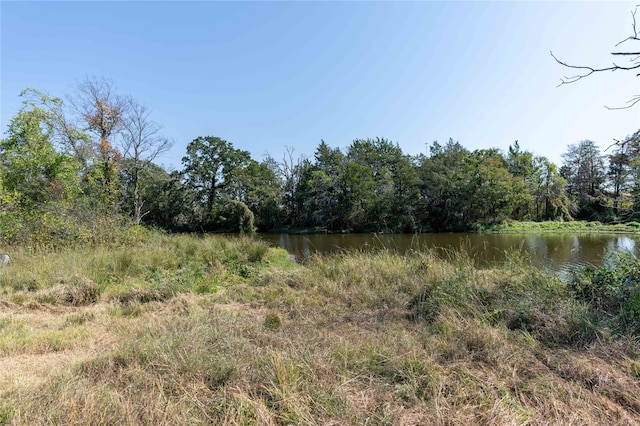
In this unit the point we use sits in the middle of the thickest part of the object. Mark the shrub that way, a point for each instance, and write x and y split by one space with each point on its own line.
612 291
272 321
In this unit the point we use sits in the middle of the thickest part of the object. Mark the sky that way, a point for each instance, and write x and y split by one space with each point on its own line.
272 76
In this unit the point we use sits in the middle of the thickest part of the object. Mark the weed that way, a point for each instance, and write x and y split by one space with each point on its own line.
6 413
272 321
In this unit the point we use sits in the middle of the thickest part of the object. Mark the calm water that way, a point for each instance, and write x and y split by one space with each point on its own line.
557 252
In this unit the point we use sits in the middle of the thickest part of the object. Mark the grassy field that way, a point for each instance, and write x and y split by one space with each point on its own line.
186 330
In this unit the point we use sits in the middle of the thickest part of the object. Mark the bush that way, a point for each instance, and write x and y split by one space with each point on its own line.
612 291
235 216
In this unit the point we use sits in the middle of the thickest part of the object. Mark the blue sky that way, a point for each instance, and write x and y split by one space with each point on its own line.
270 75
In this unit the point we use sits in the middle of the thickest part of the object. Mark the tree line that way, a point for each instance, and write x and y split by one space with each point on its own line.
77 168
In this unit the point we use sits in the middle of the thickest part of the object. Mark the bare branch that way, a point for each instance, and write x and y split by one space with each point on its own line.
586 71
142 143
635 31
591 70
631 103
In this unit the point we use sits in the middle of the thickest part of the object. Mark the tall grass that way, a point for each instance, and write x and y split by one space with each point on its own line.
186 330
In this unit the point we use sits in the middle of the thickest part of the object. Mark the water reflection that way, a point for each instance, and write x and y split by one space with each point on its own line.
556 252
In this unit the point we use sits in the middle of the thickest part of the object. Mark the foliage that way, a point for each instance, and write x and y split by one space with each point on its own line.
235 216
61 165
612 291
209 168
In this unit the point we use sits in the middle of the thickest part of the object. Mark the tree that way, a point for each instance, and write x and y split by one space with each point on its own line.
65 132
142 143
394 191
259 188
551 202
290 172
103 111
496 194
620 170
584 170
632 53
209 166
522 167
31 168
169 201
447 186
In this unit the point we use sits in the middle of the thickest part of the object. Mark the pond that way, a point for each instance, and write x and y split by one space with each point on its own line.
557 252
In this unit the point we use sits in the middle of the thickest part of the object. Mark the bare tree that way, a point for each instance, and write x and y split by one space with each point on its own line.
632 54
141 144
290 172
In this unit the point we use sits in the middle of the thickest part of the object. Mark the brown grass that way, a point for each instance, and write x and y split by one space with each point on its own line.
339 341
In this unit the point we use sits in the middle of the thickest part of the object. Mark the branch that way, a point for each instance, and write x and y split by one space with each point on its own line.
635 31
591 70
631 103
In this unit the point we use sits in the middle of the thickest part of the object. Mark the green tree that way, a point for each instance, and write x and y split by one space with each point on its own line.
323 187
259 188
209 168
496 194
584 169
32 170
356 189
620 173
392 179
522 167
447 187
551 202
65 132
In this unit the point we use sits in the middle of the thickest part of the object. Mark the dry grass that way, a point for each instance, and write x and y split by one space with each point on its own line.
352 339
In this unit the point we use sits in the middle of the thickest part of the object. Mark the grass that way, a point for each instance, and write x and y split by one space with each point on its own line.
186 330
573 226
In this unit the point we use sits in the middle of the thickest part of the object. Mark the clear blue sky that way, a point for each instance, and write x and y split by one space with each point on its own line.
270 75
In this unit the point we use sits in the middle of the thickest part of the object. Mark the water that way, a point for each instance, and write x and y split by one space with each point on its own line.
556 252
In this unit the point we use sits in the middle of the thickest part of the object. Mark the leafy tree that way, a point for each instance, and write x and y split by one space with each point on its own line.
584 170
356 189
392 181
31 168
496 194
168 199
322 190
524 170
209 169
447 185
259 188
64 131
551 202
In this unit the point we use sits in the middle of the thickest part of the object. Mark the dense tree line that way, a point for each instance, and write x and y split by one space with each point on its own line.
66 167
